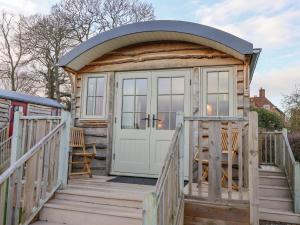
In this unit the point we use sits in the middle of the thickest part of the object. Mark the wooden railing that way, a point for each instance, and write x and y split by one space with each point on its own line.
216 148
165 205
4 134
269 145
275 149
223 160
5 144
5 148
36 172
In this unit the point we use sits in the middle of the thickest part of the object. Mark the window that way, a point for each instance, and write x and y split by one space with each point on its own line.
218 92
170 99
94 100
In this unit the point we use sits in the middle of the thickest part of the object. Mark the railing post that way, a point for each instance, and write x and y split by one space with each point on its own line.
296 187
150 209
14 156
16 139
284 133
180 119
64 150
253 168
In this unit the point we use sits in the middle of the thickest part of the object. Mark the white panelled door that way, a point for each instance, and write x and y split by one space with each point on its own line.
145 118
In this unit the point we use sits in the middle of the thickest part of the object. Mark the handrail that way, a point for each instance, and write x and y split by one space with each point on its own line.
164 206
29 154
214 118
40 117
167 162
285 138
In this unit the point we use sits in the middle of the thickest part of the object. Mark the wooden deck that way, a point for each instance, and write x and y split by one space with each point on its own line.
101 184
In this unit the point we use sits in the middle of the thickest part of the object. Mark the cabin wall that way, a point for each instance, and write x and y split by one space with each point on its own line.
150 56
4 112
39 110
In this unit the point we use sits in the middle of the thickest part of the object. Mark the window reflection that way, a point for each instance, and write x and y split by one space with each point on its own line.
217 93
95 96
170 99
134 104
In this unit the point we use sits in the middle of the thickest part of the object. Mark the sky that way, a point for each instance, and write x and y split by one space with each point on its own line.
273 25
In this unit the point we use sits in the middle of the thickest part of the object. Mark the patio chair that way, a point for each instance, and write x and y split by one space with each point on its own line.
84 157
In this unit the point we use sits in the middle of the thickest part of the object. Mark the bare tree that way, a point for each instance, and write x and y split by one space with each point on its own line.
46 39
86 18
120 12
13 73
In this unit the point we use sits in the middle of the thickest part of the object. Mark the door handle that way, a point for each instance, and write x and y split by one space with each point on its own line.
148 120
153 120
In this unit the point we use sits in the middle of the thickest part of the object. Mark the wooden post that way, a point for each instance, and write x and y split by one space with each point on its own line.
215 166
180 120
15 155
284 134
296 187
253 168
150 209
16 139
64 150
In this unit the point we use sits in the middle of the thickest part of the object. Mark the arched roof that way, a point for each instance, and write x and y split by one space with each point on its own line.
156 30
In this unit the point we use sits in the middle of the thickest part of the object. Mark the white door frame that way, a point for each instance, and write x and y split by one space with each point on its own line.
187 72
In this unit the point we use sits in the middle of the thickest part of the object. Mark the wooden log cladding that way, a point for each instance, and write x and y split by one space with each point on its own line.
4 112
155 55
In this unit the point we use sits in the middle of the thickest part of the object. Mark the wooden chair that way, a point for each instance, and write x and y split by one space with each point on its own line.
77 142
224 138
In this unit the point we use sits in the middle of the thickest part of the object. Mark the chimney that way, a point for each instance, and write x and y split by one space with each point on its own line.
262 93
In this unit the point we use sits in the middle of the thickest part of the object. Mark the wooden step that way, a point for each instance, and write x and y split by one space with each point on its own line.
133 200
274 191
271 173
46 223
279 216
276 203
78 213
280 181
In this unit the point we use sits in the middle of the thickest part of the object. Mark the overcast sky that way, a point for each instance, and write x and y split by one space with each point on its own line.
273 25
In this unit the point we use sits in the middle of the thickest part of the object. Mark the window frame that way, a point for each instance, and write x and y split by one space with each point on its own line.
231 89
85 93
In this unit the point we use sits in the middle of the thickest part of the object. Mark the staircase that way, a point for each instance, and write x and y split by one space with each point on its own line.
276 203
95 201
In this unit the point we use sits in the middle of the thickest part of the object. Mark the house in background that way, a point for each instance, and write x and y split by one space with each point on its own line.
28 105
263 102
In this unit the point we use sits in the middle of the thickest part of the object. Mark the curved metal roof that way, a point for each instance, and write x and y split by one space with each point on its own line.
17 96
125 35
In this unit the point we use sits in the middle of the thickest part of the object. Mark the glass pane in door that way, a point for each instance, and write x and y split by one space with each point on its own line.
170 100
134 104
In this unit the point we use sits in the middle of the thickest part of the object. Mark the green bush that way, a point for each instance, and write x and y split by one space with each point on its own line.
268 120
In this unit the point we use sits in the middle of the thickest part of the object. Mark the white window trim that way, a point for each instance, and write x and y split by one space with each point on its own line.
83 115
232 88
